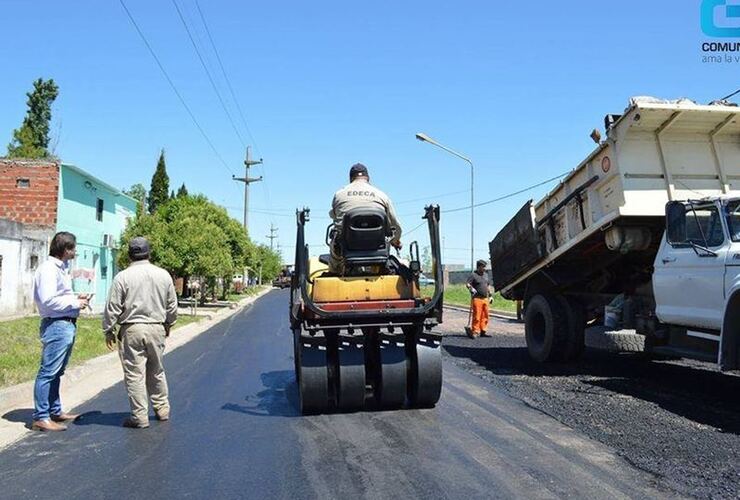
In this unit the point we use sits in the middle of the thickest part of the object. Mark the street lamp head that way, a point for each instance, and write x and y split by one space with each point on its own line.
423 137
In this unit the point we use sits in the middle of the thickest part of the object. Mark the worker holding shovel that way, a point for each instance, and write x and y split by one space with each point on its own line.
480 295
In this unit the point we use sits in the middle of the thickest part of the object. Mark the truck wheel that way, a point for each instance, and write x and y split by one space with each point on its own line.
576 319
546 329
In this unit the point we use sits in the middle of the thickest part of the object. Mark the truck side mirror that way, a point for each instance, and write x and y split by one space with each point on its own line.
675 223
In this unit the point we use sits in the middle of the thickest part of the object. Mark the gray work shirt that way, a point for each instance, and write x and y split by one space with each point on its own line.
361 193
479 282
141 293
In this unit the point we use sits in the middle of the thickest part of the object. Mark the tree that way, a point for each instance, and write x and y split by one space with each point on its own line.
31 140
137 192
426 259
268 261
191 236
182 191
160 188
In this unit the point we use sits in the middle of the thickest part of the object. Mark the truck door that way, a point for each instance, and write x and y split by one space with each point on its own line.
688 281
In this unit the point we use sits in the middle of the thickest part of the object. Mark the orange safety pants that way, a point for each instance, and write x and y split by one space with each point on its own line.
480 315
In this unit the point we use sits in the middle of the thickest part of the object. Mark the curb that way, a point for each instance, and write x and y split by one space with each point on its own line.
83 382
494 312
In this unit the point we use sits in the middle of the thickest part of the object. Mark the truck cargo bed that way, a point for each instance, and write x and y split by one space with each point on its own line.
654 153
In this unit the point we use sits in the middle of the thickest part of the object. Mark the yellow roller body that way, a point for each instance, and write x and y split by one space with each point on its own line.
356 288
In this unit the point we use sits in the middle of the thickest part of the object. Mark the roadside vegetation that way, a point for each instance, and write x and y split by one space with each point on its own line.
458 295
247 292
193 238
20 348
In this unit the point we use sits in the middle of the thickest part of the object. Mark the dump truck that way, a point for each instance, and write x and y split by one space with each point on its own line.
364 338
638 248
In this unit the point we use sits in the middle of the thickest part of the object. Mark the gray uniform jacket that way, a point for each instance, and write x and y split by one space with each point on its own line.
361 193
141 293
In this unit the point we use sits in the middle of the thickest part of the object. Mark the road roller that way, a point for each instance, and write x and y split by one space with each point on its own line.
363 334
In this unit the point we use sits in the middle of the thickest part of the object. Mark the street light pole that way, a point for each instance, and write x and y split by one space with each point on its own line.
426 138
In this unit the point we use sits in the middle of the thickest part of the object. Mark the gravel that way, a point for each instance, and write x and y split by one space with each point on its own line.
677 419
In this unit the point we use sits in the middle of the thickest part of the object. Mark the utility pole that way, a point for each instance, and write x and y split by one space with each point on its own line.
247 181
272 236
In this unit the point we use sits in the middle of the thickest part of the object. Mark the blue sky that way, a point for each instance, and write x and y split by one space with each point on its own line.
515 86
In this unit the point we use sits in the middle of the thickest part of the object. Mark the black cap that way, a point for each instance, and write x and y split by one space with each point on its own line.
481 263
138 248
357 170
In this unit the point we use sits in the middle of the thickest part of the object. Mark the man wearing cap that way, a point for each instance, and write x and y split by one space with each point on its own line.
144 303
360 193
480 292
59 308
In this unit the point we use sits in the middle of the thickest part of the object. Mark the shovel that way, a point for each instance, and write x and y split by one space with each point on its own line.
469 327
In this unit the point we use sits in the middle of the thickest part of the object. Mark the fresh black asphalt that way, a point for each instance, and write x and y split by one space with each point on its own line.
236 433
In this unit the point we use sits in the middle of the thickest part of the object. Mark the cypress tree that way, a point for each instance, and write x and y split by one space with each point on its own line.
31 140
182 191
159 191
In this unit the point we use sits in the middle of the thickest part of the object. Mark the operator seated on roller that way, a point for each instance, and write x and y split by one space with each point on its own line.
359 193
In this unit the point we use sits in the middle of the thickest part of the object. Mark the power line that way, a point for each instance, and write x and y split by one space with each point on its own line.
208 73
432 197
731 95
510 195
265 186
414 229
226 77
174 88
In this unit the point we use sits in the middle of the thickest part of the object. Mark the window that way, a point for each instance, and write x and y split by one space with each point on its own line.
99 211
703 226
23 183
33 262
733 219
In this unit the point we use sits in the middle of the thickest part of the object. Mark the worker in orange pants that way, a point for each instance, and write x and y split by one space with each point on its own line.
480 317
480 291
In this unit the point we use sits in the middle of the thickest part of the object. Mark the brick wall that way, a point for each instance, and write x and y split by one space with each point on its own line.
33 202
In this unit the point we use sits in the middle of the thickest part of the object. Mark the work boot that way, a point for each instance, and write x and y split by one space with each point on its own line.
163 415
65 417
484 333
134 424
47 426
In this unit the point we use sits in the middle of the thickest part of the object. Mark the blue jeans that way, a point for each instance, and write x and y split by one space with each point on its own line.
57 338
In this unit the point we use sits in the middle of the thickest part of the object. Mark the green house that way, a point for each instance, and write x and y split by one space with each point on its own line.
96 213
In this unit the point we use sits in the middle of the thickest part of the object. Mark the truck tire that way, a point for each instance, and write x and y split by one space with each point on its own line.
576 318
614 341
546 329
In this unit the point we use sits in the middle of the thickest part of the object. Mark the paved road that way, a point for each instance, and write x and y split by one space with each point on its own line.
236 433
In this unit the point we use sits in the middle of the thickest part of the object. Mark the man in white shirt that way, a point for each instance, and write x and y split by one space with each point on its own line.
59 308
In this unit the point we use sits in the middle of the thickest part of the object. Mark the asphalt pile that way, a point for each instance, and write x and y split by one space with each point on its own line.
676 419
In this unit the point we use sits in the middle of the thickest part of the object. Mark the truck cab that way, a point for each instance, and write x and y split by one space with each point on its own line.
696 279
